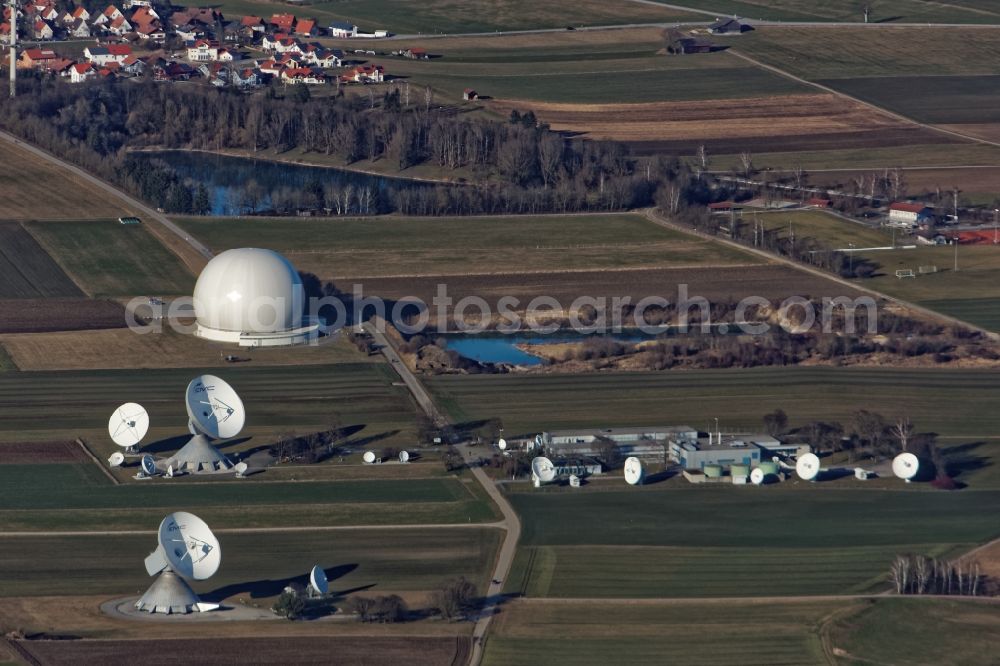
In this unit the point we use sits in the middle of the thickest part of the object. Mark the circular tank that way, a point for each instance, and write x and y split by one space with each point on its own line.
769 468
739 470
713 471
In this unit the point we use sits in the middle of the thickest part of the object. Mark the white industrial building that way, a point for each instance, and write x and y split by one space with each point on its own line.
253 298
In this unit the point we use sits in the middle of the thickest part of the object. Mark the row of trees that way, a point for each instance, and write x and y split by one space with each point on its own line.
919 574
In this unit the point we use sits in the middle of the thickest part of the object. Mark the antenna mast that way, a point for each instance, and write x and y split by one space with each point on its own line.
13 48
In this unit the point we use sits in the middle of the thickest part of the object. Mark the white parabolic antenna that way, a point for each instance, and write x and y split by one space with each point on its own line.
633 471
214 408
757 476
502 444
191 550
404 456
543 469
807 466
369 457
318 581
116 459
128 424
148 465
905 466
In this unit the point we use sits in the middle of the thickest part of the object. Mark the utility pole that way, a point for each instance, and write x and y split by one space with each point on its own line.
13 48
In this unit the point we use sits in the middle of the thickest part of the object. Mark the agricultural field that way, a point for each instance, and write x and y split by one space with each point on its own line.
34 189
57 405
122 348
902 11
349 650
764 633
802 540
908 631
406 247
255 565
952 403
110 259
443 17
27 270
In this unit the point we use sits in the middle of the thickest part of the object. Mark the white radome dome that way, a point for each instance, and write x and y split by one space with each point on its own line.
248 291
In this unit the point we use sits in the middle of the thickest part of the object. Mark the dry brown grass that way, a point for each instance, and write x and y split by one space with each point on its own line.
731 118
32 188
122 348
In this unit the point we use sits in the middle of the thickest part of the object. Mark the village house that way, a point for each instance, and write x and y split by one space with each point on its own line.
81 72
343 29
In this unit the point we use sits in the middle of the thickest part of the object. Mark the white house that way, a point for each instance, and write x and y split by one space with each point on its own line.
343 29
909 214
81 71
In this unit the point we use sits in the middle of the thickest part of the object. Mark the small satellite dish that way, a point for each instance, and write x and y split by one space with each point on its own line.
905 466
318 581
189 547
128 424
807 466
117 459
369 457
241 469
404 456
502 444
543 470
214 408
574 481
149 465
757 476
633 471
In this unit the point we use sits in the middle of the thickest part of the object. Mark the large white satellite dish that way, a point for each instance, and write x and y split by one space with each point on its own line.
905 466
190 548
502 444
116 459
807 466
543 470
187 550
318 582
214 408
149 465
128 425
633 471
404 456
369 457
757 476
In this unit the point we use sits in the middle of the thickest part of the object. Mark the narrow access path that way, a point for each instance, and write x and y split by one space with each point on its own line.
658 218
472 455
147 212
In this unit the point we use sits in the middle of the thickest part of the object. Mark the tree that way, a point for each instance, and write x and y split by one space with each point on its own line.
775 422
455 598
289 605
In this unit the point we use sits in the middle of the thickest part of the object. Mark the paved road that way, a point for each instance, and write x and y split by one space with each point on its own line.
147 212
657 218
510 523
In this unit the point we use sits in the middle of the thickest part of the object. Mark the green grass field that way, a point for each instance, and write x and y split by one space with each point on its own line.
278 399
77 497
953 403
910 631
253 565
27 270
442 16
906 11
726 541
110 259
391 246
699 634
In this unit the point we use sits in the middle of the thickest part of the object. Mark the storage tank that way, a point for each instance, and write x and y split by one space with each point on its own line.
739 470
713 471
